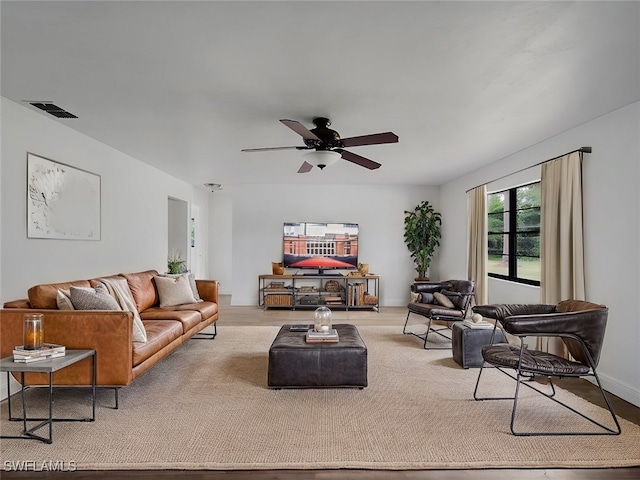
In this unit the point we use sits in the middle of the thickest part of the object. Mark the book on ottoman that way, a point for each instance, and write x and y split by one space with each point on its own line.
330 336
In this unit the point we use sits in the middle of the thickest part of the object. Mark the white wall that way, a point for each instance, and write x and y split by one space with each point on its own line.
611 222
256 214
134 207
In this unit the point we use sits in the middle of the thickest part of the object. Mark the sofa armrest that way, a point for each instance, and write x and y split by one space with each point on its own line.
208 290
109 333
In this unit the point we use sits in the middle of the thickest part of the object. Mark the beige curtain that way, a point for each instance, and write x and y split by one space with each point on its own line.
561 242
477 241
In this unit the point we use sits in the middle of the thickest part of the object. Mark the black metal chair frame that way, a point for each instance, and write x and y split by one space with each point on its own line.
529 375
450 319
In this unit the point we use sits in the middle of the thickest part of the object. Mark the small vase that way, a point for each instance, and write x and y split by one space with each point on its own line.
32 332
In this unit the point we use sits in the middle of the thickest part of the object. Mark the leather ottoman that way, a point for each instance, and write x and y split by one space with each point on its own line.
294 363
467 344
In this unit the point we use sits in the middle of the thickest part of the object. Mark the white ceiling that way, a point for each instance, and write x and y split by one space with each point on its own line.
186 85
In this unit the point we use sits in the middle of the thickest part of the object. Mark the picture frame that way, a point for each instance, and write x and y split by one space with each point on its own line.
63 202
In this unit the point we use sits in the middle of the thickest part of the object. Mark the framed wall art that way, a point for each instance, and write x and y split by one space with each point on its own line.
63 202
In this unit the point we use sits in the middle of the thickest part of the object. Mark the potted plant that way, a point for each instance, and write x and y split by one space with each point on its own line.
175 263
422 230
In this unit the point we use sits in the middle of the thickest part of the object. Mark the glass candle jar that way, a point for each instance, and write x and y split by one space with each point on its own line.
32 332
322 319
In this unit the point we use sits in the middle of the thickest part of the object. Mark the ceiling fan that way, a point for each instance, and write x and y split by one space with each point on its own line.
329 146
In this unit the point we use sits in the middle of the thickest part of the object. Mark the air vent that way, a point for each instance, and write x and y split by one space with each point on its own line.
54 110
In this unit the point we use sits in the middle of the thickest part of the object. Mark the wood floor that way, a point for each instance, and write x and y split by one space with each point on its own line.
247 316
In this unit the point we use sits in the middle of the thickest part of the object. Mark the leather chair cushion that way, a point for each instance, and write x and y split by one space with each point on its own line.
426 310
533 361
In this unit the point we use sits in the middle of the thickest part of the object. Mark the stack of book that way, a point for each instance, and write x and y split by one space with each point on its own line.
48 350
328 336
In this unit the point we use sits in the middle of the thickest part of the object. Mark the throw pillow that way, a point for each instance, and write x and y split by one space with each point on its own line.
97 298
427 298
442 300
174 290
192 282
415 297
63 300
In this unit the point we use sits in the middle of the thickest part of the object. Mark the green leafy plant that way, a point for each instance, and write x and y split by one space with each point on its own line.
422 231
175 263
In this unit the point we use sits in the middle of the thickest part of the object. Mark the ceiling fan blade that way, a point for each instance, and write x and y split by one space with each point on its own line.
305 167
273 148
359 160
300 129
373 139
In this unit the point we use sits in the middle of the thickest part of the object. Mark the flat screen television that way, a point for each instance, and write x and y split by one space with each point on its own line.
320 246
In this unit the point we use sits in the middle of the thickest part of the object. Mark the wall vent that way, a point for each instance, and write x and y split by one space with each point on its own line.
53 109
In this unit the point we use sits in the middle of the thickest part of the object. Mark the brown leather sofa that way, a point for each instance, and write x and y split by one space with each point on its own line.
119 360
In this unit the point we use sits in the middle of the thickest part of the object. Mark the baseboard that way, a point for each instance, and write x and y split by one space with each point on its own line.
620 389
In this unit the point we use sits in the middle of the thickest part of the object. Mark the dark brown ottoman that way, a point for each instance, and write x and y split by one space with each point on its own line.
467 343
294 363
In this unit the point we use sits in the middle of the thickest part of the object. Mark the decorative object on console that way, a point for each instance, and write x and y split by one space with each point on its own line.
422 230
363 268
322 319
32 331
277 268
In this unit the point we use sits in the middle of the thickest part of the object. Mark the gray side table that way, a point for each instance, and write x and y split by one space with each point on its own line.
47 366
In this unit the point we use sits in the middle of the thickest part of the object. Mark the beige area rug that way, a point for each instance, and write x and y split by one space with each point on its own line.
207 406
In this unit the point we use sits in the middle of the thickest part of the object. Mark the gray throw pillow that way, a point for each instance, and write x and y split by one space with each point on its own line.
97 298
192 282
174 290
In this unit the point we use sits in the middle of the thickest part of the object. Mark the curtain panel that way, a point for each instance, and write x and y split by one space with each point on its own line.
477 256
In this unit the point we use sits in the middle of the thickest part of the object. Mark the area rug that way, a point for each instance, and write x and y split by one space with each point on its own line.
207 406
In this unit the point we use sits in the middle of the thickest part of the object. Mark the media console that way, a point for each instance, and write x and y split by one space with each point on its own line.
304 291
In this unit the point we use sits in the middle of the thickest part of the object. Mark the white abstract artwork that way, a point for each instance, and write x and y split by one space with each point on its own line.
62 201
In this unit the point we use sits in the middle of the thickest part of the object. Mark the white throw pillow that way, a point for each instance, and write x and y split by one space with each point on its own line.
192 282
174 290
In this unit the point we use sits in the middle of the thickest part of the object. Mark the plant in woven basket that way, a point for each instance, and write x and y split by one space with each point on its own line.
422 231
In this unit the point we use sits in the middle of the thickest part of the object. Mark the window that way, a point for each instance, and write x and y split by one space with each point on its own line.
321 248
514 234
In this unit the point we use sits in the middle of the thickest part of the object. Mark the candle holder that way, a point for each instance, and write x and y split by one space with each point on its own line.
32 331
322 319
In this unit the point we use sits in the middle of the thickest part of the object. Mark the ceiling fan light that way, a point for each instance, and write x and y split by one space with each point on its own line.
322 158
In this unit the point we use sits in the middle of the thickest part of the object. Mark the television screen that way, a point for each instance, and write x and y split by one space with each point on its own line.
320 246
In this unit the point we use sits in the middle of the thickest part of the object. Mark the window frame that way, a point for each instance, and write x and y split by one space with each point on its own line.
512 234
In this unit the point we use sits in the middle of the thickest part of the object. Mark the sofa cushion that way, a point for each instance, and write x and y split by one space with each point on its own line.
44 296
143 288
206 309
174 290
160 333
97 298
187 318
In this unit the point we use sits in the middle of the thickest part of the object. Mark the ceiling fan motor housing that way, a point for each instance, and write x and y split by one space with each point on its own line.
328 138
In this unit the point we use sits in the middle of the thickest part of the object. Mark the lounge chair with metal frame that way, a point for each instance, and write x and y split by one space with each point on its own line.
444 303
581 326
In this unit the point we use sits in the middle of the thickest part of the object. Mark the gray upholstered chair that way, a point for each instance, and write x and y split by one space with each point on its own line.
443 302
580 325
